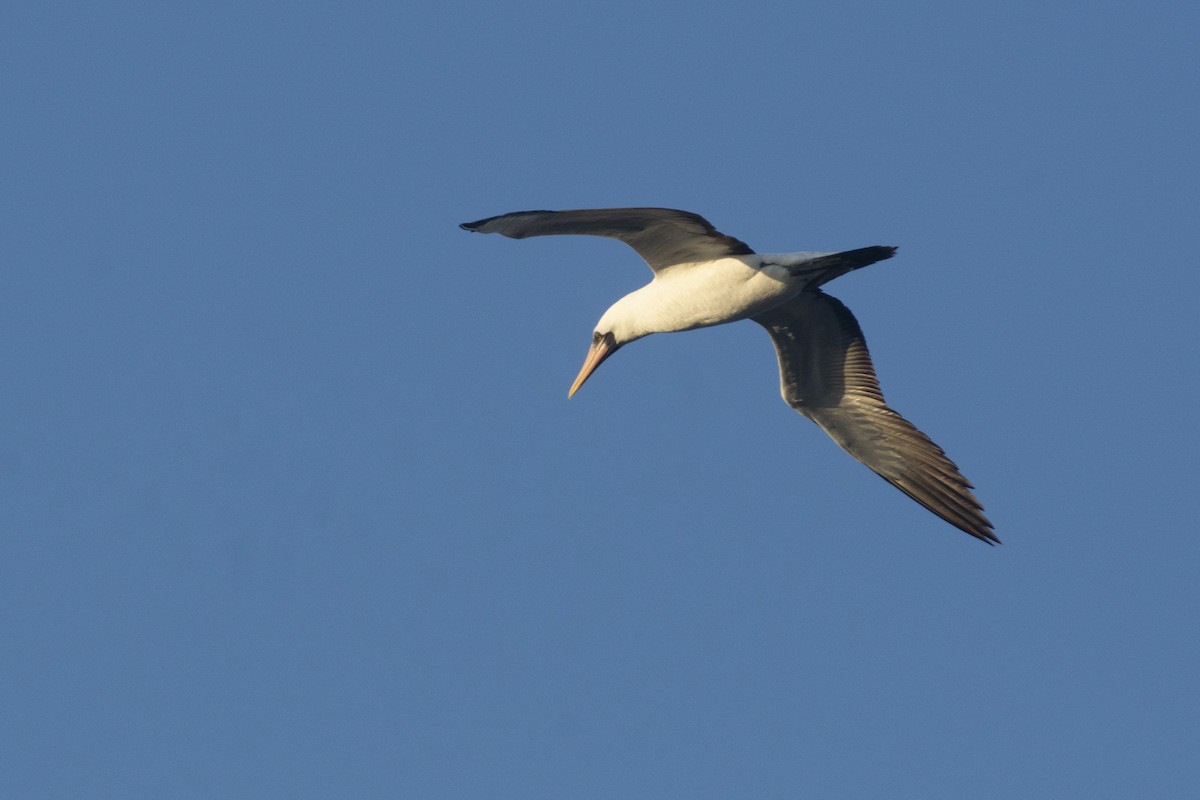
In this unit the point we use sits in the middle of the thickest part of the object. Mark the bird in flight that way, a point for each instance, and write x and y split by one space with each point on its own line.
703 277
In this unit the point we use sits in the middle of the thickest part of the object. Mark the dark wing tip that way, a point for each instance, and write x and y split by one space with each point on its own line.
992 538
975 524
506 224
476 225
985 535
959 508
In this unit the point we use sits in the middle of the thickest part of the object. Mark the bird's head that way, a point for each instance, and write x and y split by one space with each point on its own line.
623 323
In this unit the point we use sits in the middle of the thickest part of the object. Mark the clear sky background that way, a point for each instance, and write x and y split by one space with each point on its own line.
294 503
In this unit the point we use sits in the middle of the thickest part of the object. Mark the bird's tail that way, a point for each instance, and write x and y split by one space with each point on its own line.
835 265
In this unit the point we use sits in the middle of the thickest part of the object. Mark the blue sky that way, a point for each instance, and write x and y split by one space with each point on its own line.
294 501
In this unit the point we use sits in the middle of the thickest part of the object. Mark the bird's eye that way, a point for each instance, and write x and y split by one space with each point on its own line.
596 337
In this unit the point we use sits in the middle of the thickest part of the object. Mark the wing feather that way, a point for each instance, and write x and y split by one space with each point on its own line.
826 374
661 236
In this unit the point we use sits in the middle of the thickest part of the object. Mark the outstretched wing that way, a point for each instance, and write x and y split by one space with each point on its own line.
826 374
661 236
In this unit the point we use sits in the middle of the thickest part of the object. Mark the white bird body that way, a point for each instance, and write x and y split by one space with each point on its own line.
703 277
705 293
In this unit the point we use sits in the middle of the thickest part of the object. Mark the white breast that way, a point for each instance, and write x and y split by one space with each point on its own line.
687 296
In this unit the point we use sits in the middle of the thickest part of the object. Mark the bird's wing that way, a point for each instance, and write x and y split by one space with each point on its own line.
826 374
661 236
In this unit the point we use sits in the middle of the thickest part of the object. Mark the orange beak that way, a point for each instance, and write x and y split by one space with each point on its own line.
601 348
